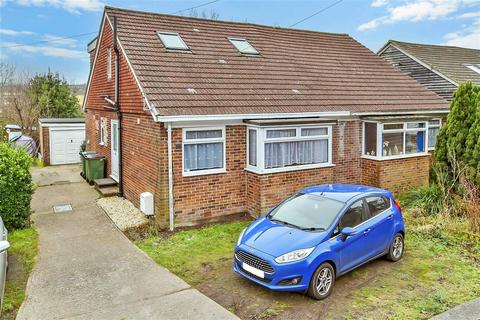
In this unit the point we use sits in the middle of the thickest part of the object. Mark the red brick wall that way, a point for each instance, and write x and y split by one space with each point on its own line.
45 145
396 175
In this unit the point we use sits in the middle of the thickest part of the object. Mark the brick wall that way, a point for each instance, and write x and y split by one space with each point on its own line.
396 175
45 145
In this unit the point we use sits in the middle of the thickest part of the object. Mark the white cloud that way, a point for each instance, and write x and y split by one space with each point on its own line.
468 38
69 5
470 15
59 41
379 3
9 32
415 11
46 51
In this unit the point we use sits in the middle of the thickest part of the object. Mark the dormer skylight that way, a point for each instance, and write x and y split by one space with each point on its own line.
173 41
243 46
473 67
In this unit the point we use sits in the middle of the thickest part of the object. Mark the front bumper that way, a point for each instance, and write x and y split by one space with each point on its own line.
282 272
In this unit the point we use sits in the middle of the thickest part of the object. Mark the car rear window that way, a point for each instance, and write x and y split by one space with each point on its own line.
377 205
308 211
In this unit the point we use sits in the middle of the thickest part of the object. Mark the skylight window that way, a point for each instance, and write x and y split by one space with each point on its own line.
474 67
243 46
172 40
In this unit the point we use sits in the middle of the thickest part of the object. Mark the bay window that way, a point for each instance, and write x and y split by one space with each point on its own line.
288 148
203 151
398 139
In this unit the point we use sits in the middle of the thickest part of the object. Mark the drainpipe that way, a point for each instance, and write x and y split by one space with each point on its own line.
170 175
117 108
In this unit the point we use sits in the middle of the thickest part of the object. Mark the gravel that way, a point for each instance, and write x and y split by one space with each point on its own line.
122 212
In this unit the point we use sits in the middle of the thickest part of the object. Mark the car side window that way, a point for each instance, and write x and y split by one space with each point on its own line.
354 215
377 205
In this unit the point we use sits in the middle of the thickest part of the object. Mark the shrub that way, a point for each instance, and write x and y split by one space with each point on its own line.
16 186
429 200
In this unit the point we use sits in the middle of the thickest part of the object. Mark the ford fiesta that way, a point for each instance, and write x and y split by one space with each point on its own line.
317 235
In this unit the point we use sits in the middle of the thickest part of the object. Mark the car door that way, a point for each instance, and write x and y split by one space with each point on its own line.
352 250
380 223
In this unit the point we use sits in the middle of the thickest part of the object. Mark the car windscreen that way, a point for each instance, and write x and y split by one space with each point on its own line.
307 211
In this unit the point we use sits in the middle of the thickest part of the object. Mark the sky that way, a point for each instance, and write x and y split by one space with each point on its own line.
30 29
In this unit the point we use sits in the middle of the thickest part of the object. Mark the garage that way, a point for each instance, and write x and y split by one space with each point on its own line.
61 140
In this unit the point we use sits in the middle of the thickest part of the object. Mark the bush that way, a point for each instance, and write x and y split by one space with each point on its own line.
16 186
429 200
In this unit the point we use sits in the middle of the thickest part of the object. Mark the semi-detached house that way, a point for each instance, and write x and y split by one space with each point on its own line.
216 118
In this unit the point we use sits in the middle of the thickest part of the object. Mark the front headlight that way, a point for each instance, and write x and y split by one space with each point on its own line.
294 255
241 236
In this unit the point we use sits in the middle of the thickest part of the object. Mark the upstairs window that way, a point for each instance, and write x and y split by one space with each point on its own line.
109 63
474 67
243 46
173 41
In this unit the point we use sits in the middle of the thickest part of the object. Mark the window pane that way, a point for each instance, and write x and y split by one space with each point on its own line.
432 136
393 126
284 154
252 147
432 123
392 144
370 139
203 156
415 142
281 133
203 134
172 41
377 205
243 46
353 216
414 125
307 132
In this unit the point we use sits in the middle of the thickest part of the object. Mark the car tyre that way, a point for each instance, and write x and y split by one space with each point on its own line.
321 284
397 247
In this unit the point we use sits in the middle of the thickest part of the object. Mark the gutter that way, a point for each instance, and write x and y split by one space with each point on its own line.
170 175
117 108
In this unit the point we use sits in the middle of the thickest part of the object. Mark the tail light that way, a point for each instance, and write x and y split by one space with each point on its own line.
395 203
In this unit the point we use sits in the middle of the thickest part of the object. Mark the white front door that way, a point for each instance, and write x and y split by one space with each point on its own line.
114 149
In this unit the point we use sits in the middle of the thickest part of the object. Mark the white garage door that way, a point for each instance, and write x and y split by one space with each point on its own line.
65 145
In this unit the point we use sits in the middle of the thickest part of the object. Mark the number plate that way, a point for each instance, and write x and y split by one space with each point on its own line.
252 270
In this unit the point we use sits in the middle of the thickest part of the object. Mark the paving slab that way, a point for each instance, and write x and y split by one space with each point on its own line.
87 269
467 311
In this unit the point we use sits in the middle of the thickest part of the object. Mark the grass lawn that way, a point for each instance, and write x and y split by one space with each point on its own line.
21 258
440 269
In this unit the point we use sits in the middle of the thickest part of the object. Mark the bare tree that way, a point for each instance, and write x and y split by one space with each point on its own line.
212 15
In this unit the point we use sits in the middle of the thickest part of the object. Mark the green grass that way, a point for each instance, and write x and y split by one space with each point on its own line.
23 250
440 270
185 252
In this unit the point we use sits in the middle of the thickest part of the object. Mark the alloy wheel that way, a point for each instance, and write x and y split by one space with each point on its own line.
324 281
397 247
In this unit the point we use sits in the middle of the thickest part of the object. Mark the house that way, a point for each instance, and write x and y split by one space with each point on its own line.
216 118
439 68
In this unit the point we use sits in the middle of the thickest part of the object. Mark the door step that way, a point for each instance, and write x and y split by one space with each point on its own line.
107 187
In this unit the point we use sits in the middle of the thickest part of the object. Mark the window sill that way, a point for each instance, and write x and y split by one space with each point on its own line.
287 169
401 156
102 144
204 172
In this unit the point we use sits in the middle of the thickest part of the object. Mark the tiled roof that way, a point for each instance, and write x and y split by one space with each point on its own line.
298 70
449 61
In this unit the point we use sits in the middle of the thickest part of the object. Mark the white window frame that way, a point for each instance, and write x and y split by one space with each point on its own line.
232 41
109 63
248 148
103 134
262 140
433 126
185 48
474 67
380 130
223 140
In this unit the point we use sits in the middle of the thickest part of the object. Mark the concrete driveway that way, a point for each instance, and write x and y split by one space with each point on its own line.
87 269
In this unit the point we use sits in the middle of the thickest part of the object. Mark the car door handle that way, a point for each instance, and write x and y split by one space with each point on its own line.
366 231
390 217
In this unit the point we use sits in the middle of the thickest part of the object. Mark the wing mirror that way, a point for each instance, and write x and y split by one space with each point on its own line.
4 245
347 232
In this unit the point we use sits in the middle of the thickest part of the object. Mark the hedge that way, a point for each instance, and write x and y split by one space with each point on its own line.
16 186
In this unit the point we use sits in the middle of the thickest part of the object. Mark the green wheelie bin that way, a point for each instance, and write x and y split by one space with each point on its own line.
82 159
95 167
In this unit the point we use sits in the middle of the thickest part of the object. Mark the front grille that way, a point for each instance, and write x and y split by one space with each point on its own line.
254 261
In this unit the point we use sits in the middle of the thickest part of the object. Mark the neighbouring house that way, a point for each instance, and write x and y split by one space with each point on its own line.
216 118
439 68
61 139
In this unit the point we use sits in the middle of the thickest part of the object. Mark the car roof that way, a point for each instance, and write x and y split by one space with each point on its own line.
341 192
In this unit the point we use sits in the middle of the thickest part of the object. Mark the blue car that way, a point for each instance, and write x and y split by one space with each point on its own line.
318 234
